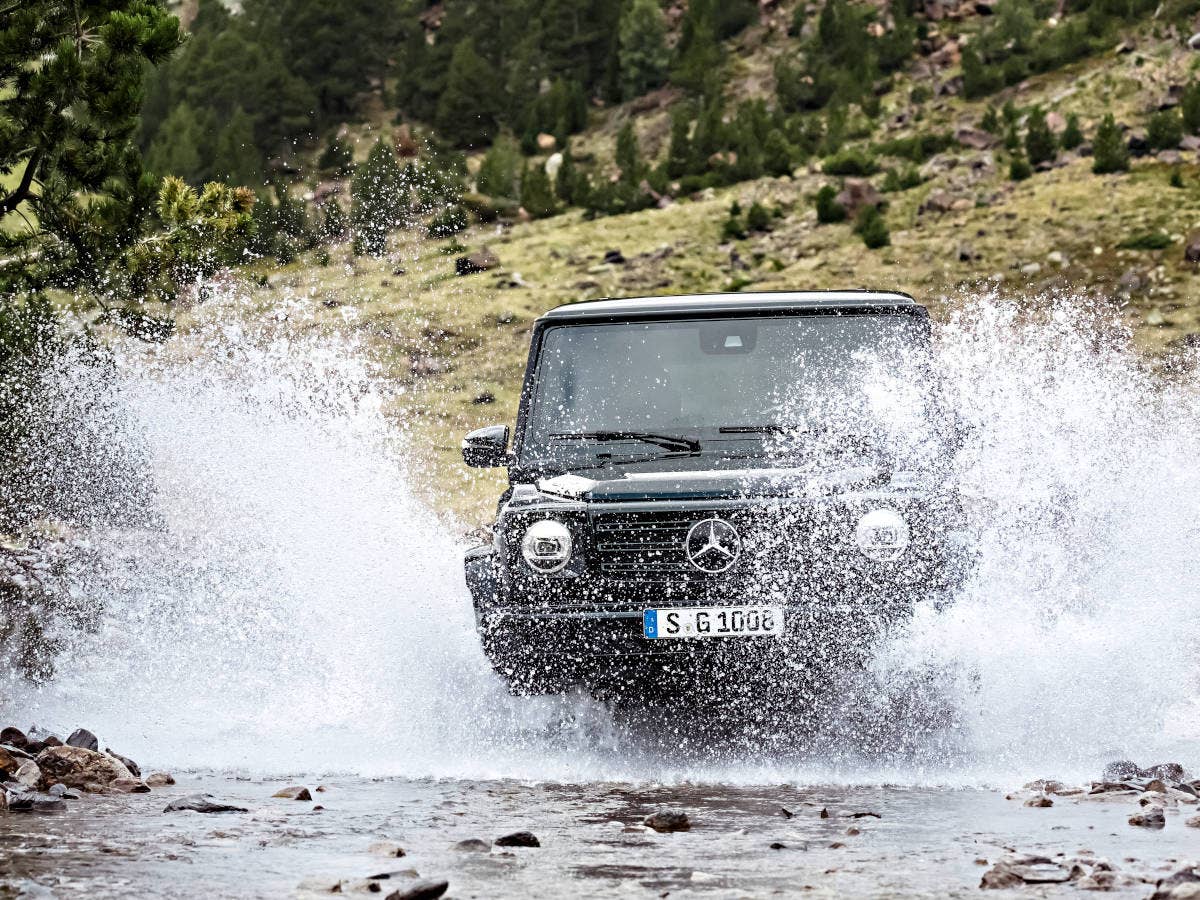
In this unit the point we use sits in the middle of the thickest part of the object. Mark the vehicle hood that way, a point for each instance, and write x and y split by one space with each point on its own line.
723 483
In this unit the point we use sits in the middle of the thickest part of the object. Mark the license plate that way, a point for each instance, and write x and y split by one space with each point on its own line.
712 621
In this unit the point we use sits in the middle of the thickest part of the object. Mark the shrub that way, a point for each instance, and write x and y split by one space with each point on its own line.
758 219
990 121
1040 145
979 79
1019 168
1165 130
1110 153
918 147
498 173
1176 179
851 161
828 208
537 197
337 157
872 228
1072 135
903 180
449 221
1150 240
1189 107
732 229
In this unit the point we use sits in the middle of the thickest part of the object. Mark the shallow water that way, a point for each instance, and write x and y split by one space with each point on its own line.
926 842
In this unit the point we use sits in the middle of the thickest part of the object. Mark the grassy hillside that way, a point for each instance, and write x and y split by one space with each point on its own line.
453 347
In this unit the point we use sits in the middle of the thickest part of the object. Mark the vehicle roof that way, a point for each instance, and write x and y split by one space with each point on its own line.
722 304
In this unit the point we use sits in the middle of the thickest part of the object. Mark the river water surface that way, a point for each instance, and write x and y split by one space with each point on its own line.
288 606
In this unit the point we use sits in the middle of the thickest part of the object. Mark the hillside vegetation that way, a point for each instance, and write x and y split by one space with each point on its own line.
435 175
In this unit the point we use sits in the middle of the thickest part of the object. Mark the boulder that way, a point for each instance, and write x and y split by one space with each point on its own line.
201 803
61 790
938 201
1040 801
473 845
125 760
1150 817
159 779
390 849
9 763
976 138
28 775
1169 157
422 889
1190 142
293 793
546 142
614 257
553 164
14 737
1193 822
1056 122
81 737
1020 871
481 260
1191 250
1137 143
519 839
129 786
79 767
1184 883
857 194
665 821
23 800
1170 771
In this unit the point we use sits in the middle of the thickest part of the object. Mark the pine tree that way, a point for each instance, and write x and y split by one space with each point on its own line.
1109 153
1189 107
777 154
470 107
643 53
1165 130
566 180
498 172
537 198
828 208
1040 145
1072 136
337 158
1019 168
679 150
872 228
334 225
628 157
176 148
378 198
236 159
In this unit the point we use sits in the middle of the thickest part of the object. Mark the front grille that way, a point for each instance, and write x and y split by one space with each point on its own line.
644 546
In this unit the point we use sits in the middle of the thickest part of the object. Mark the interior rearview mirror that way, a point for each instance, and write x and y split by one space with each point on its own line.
486 447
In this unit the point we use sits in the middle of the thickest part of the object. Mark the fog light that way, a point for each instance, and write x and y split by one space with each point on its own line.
882 535
546 546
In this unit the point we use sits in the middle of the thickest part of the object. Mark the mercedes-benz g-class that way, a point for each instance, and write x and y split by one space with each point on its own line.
754 477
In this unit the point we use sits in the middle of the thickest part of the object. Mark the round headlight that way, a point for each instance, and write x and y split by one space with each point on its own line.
546 546
882 535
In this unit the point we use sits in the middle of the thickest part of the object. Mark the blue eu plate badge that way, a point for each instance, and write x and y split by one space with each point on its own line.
650 623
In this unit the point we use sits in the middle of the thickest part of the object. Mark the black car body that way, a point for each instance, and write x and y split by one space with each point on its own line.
712 452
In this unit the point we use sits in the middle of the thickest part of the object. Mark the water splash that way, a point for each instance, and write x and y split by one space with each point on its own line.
296 608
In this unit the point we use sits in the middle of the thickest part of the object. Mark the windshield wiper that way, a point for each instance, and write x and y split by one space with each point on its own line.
666 441
756 429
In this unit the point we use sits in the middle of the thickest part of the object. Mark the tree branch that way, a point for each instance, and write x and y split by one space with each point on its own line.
21 193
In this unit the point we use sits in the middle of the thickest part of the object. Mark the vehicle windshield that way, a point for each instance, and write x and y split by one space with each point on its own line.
658 387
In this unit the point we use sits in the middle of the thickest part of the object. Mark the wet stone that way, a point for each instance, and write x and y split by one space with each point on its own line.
21 800
1151 817
293 793
13 736
126 761
159 779
473 845
425 889
1121 770
518 839
201 803
386 848
1040 802
666 821
83 738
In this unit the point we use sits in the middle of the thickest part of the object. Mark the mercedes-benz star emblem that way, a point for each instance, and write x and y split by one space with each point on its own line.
712 545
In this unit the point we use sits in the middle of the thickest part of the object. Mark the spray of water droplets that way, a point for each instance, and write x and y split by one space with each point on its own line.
291 606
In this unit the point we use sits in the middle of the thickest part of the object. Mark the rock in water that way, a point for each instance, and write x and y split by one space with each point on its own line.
201 803
1150 817
386 848
9 763
81 737
293 793
28 774
125 761
1041 801
79 767
1193 822
425 889
519 839
159 779
1171 771
21 800
666 821
1181 885
14 737
473 845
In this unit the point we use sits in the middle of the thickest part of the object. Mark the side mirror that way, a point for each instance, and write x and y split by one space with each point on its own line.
487 447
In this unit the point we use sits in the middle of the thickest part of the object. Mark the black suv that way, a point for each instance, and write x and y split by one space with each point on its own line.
751 477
